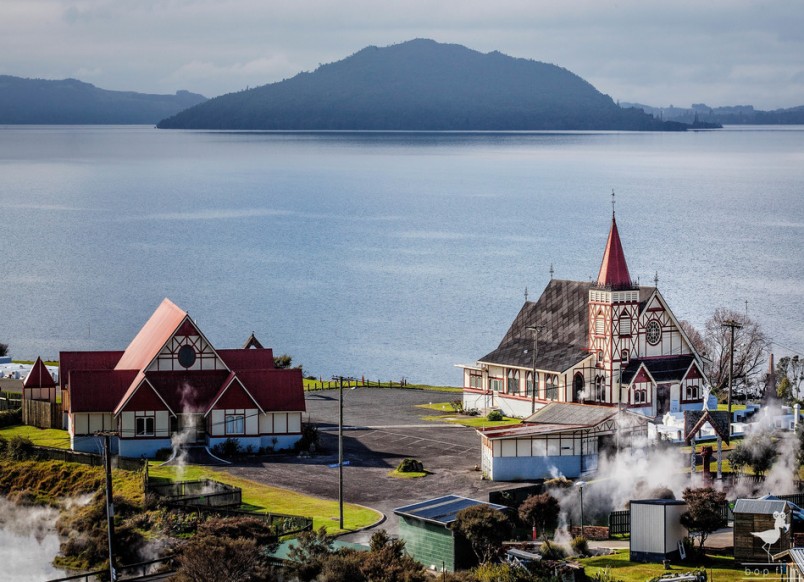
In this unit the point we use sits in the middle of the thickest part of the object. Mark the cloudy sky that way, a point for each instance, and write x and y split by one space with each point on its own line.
657 52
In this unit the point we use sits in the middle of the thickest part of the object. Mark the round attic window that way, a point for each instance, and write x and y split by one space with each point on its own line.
186 356
653 332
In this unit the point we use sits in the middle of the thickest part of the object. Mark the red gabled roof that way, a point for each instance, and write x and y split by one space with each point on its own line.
248 358
190 391
152 337
275 390
233 395
614 270
70 361
98 390
39 376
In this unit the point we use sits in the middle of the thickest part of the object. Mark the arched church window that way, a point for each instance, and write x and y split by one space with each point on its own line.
551 388
600 388
624 356
529 379
513 381
577 387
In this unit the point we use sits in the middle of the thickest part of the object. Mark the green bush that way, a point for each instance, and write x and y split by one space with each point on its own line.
309 440
580 545
494 416
552 551
228 449
11 417
410 466
20 448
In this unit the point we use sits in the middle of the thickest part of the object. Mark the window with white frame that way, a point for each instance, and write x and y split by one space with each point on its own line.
692 392
600 325
624 356
475 380
529 390
235 423
551 389
144 424
625 325
513 381
600 389
495 384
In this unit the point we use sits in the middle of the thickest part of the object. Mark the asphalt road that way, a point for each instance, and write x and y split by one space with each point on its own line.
382 426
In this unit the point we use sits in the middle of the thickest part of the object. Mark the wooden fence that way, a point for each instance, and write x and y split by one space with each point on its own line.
355 383
10 400
92 459
619 522
41 413
204 492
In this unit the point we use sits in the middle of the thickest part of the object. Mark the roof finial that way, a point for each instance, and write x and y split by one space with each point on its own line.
612 203
656 279
526 294
551 271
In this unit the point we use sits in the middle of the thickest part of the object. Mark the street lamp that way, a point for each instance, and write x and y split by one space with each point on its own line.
580 485
534 382
340 447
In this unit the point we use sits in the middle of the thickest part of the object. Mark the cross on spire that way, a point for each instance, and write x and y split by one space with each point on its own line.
526 294
613 201
551 271
656 279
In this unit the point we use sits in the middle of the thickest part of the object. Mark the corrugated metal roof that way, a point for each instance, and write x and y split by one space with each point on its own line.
39 376
658 502
763 506
797 554
152 337
528 430
442 510
572 414
98 390
662 369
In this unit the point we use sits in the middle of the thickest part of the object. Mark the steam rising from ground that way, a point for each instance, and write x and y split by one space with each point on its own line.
28 542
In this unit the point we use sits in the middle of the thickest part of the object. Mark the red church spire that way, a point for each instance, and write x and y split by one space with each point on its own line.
614 270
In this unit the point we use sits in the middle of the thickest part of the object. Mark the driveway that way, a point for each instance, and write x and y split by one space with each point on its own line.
381 427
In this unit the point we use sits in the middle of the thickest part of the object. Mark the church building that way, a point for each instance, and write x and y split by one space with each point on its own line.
171 382
611 342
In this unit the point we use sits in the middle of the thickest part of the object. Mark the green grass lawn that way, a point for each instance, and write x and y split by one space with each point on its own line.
722 568
44 437
259 497
408 475
465 420
333 384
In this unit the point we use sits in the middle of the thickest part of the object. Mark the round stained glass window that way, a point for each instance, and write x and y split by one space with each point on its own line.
653 332
186 356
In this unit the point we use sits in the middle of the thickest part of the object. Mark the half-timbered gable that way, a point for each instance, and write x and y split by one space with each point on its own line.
171 381
609 342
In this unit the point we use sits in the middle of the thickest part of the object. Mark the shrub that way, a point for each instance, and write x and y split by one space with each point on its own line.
409 465
580 545
228 448
457 406
494 416
11 417
309 440
552 551
20 448
473 412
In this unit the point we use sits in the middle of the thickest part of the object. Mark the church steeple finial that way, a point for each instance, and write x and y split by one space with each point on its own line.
613 201
614 270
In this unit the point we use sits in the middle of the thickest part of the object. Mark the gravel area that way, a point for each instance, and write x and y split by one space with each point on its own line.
382 426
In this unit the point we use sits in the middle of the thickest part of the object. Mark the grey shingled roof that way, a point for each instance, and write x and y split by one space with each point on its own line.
563 311
763 506
662 369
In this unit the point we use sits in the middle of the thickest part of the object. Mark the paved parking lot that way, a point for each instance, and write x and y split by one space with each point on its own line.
383 426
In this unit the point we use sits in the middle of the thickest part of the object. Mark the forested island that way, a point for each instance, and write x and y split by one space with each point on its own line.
69 101
422 85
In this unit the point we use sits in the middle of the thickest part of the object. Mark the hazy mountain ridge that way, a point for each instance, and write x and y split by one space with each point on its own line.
69 101
420 85
727 115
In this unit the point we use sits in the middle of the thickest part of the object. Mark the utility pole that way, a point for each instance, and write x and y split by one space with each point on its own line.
107 453
536 329
340 449
730 323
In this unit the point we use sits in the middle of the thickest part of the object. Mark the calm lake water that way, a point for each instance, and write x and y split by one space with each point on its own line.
383 254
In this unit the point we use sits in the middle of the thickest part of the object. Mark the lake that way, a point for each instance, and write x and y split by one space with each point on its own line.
387 255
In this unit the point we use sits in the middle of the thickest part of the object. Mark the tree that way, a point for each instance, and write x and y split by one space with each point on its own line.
540 511
789 377
387 561
695 337
750 343
207 557
758 451
704 514
307 557
284 361
485 529
3 349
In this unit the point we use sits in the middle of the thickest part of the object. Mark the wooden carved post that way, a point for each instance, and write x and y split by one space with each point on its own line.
719 457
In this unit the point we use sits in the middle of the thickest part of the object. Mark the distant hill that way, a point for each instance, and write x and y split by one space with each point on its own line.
420 85
730 115
73 102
